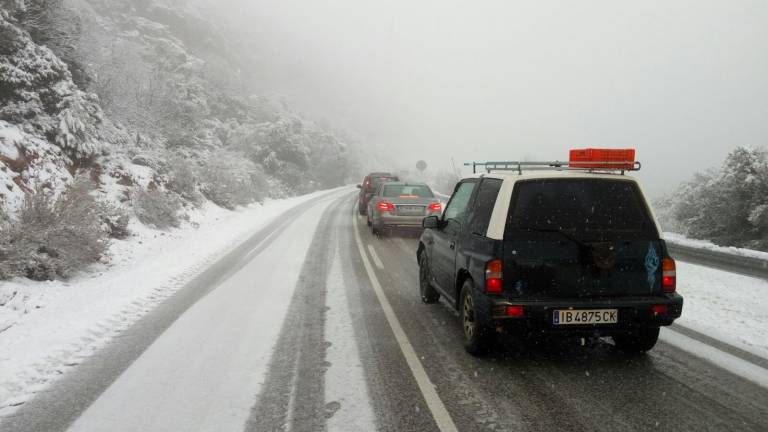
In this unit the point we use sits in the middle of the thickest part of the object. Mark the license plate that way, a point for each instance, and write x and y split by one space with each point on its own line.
411 209
585 316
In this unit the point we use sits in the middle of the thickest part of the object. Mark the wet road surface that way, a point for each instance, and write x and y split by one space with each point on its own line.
407 370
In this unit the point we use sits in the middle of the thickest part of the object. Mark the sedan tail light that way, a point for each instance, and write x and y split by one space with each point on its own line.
494 277
668 275
386 206
435 207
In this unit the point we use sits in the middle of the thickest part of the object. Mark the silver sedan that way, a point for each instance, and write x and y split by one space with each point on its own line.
398 204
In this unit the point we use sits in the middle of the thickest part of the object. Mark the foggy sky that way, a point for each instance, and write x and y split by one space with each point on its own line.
683 82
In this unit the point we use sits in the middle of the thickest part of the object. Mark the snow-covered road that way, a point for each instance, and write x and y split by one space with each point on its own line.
46 328
314 324
202 373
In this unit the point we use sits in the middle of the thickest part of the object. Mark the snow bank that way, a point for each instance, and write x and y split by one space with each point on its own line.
705 245
726 306
46 327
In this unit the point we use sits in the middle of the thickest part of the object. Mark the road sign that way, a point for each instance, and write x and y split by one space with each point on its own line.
421 166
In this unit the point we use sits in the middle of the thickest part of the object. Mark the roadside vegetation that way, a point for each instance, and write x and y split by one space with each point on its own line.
727 206
53 238
149 102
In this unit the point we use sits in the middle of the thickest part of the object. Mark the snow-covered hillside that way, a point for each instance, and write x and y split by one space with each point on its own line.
148 102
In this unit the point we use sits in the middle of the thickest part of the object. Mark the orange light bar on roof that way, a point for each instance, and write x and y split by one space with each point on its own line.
616 159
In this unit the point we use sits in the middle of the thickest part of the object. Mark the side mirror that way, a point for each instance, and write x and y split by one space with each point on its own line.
430 222
359 186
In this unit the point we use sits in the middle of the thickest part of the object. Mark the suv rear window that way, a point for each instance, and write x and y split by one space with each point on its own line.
589 209
376 181
421 191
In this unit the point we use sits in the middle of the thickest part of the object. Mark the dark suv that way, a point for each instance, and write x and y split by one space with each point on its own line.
550 252
370 183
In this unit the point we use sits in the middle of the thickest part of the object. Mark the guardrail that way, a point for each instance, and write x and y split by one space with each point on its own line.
751 266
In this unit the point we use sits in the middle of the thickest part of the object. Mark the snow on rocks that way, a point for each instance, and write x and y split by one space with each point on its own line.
28 162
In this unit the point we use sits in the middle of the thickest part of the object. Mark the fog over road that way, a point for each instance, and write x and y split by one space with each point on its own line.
315 324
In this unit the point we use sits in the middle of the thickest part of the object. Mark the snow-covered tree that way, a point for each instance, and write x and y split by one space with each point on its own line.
729 206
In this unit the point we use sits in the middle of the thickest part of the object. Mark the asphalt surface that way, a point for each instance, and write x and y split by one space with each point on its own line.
552 385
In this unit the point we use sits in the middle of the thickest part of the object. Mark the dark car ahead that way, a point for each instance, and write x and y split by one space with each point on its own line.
397 204
368 187
560 252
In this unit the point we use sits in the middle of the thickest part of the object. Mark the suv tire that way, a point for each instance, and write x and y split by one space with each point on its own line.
428 293
638 341
478 338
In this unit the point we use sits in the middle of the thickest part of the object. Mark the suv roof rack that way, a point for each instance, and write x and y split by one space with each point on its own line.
590 166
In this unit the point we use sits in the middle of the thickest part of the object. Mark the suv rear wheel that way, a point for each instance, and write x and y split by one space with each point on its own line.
638 341
478 338
428 293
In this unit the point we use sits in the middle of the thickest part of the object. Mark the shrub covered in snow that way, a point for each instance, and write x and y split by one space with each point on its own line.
182 178
53 237
36 89
728 207
114 220
156 208
230 181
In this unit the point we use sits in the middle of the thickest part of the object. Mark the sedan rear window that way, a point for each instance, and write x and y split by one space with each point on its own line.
591 209
420 191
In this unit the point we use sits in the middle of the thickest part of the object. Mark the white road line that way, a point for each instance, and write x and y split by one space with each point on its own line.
729 362
375 257
434 403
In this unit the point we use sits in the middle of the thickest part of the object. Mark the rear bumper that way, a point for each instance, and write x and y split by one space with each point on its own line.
400 221
633 313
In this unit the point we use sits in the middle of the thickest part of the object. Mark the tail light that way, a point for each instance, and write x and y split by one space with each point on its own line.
508 311
386 206
494 277
659 310
515 311
435 207
668 275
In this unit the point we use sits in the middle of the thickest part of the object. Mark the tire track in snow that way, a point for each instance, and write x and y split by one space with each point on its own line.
292 396
55 409
346 389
